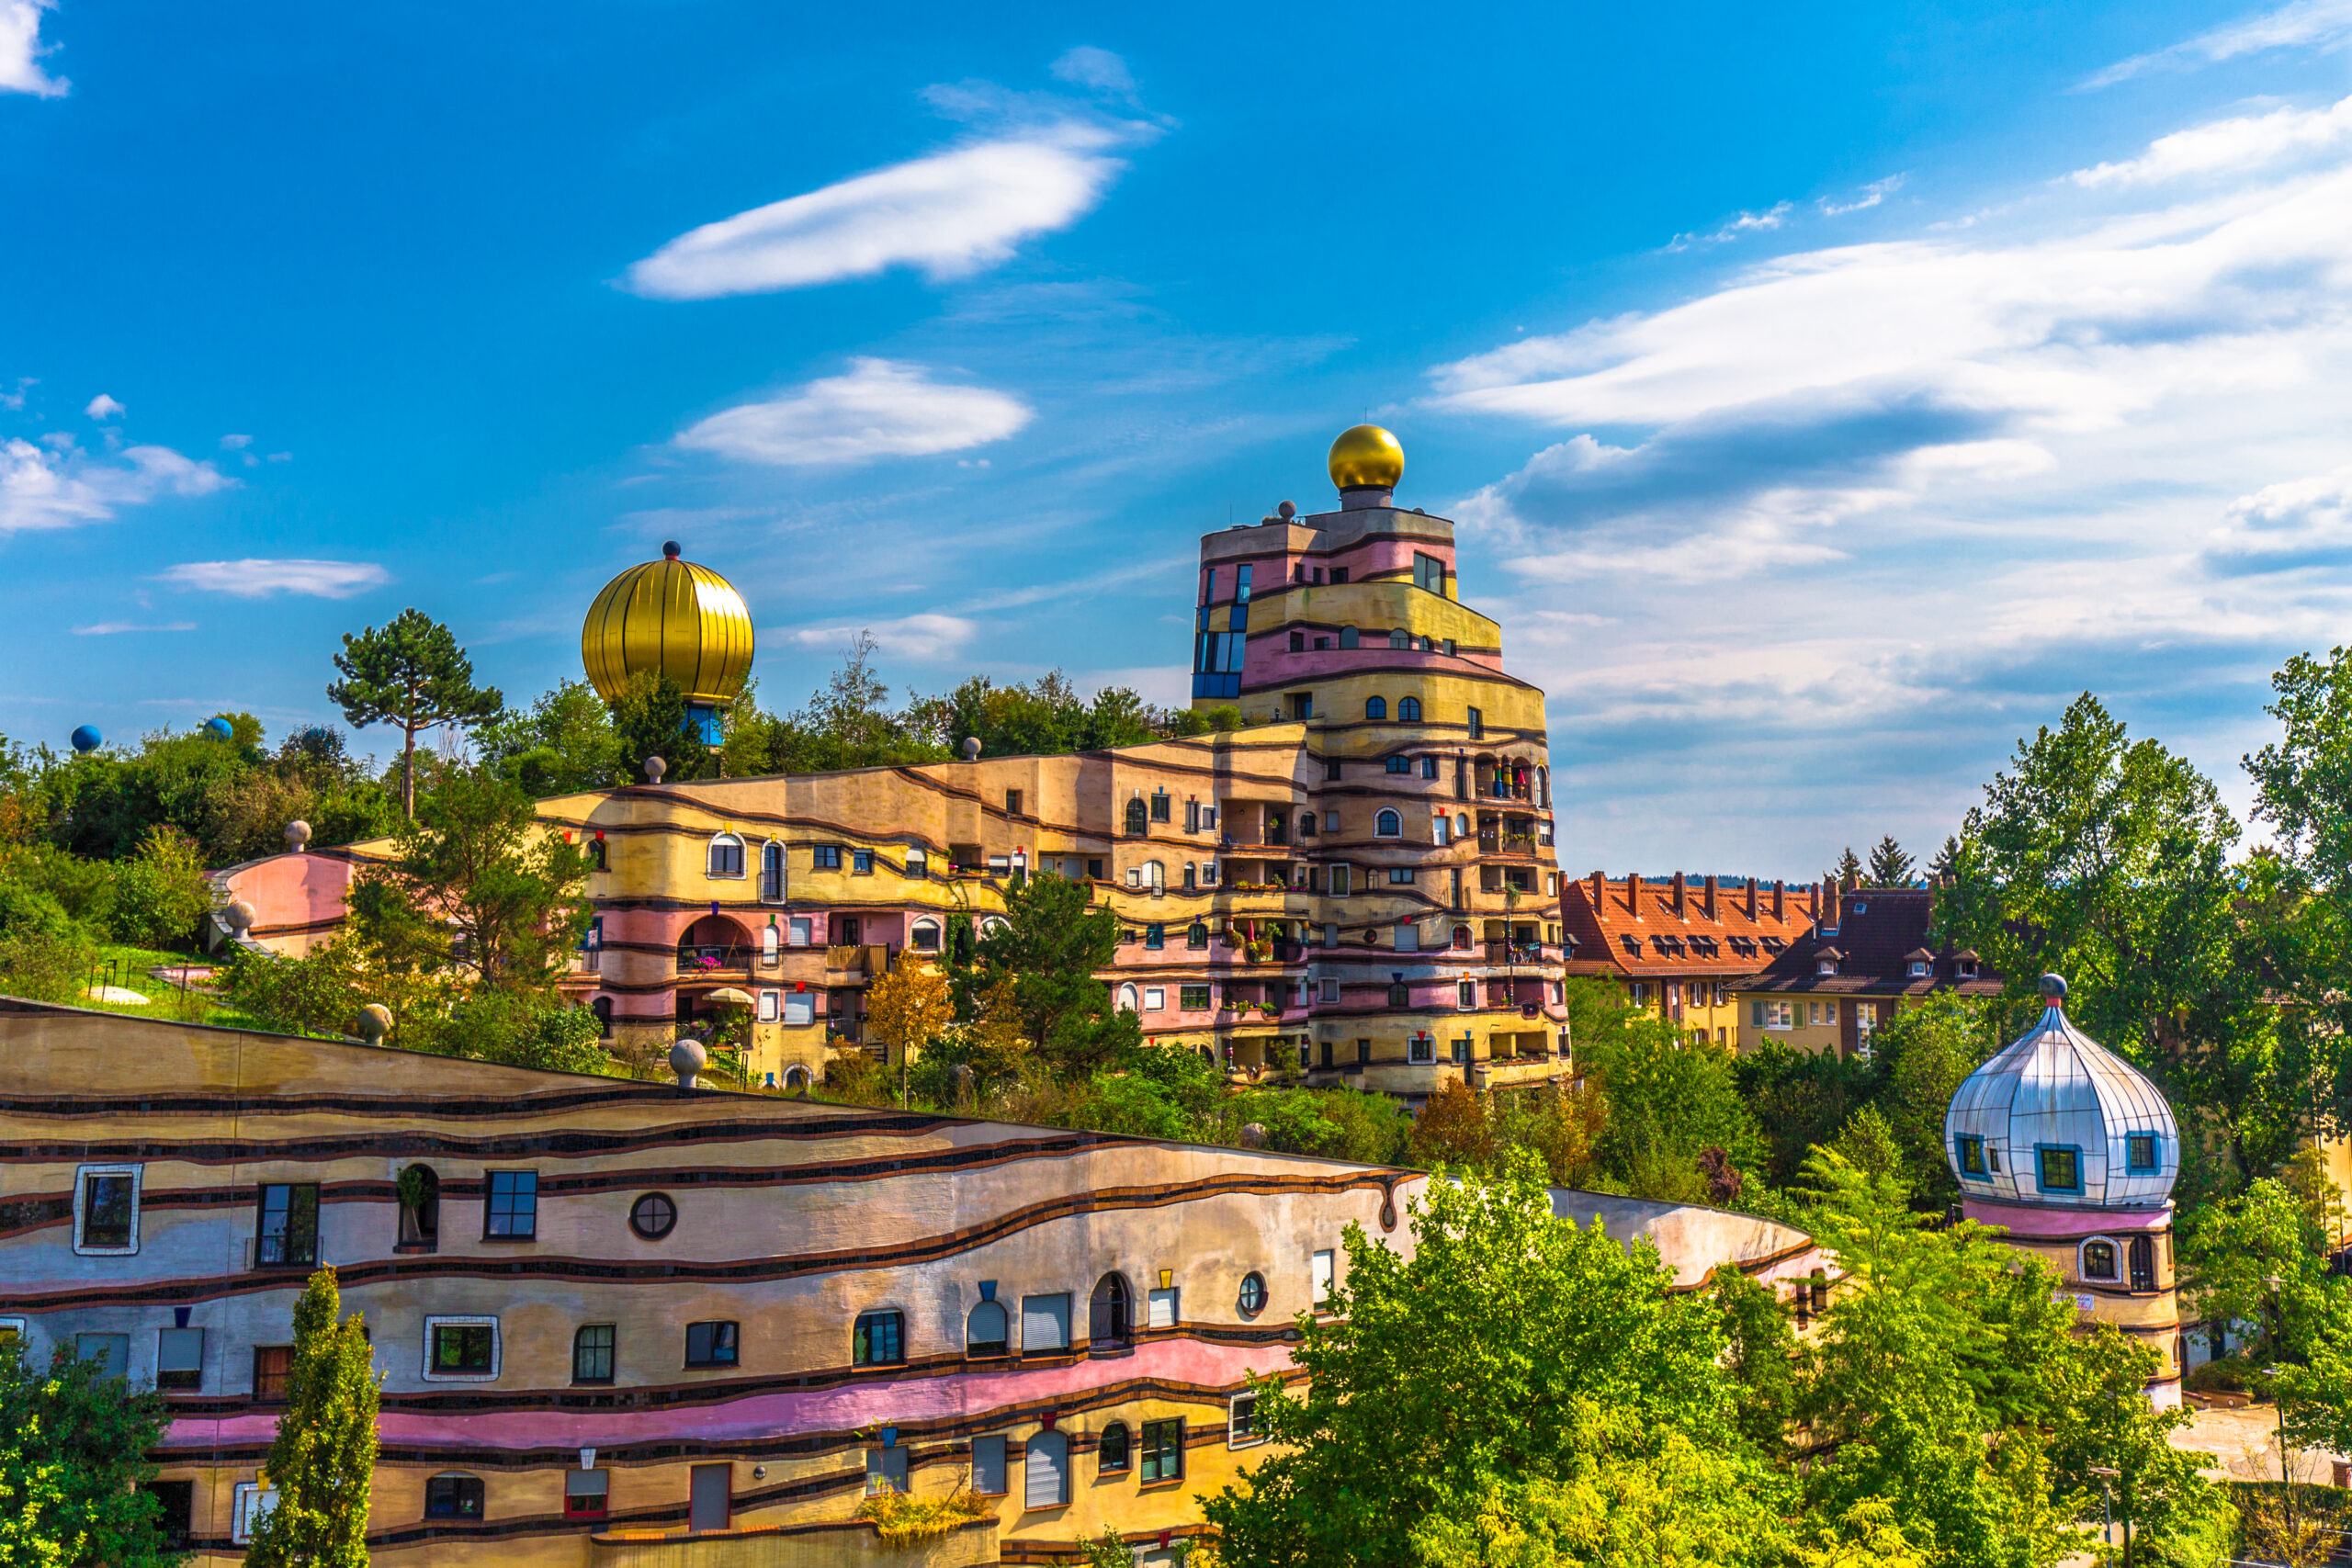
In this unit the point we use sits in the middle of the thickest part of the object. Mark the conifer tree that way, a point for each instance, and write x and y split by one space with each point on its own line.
1849 869
413 675
1890 867
323 1459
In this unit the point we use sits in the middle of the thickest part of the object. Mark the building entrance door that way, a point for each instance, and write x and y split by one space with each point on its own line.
707 1506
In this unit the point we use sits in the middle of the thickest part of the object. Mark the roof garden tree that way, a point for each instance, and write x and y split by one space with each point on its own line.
1890 867
2107 860
1849 869
322 1461
650 720
1051 945
412 674
565 741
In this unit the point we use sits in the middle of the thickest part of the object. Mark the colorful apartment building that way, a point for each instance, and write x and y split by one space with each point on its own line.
1873 951
635 1325
1682 946
1360 883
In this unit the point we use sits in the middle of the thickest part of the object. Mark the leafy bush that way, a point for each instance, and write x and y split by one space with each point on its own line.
44 965
902 1520
161 893
526 1031
316 994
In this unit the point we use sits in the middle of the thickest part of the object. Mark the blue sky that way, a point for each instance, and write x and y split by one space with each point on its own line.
1826 398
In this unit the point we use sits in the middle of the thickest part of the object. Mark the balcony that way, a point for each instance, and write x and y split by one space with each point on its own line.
864 959
844 1543
703 960
1511 952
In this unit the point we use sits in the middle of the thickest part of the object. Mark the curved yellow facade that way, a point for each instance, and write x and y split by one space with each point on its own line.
673 618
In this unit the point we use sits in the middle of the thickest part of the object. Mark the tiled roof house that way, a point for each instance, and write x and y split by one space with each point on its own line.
1873 949
1683 945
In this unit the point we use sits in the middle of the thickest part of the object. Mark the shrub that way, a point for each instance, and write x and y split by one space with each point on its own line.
161 893
902 1520
46 966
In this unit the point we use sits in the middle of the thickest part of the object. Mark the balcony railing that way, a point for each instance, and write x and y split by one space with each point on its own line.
713 960
1514 952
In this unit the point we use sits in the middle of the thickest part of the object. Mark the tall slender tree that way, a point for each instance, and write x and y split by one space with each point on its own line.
1849 869
412 674
1890 867
323 1460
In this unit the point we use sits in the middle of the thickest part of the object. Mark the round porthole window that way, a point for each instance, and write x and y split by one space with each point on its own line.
1253 1294
653 1216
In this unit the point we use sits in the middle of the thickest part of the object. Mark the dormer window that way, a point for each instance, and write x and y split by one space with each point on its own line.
1918 963
1971 1150
1919 971
1825 962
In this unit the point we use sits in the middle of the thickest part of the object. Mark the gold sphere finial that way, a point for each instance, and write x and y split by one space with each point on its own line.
1366 458
675 618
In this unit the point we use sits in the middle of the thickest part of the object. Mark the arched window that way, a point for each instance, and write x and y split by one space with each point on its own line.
796 1078
1046 1471
987 1331
1196 935
1347 637
1388 825
878 1340
1400 640
1107 1312
603 1007
1110 1449
772 872
925 936
420 1196
1409 710
1462 826
1130 998
1139 816
2099 1260
2143 1264
725 856
451 1496
1376 708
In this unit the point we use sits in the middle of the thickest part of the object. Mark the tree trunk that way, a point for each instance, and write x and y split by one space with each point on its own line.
408 776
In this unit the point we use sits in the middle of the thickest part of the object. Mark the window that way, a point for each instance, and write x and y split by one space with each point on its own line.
769 1001
772 872
1196 935
179 1358
1465 994
1400 764
106 1209
511 1209
1399 994
1429 572
1192 998
1376 708
918 863
2099 1260
725 857
1477 719
861 862
1420 1050
1045 1323
1388 825
1161 1312
653 1216
586 1492
885 1470
825 857
591 1353
1155 936
1241 1421
711 1345
453 1497
1013 803
2143 1264
1400 877
1138 816
1253 1293
1155 999
1163 1452
249 1503
1112 1456
110 1351
1045 1478
1408 711
1329 992
1348 637
1323 1263
287 1232
988 1465
1339 877
603 1007
461 1348
2140 1153
1298 642
2060 1168
985 1330
1108 1314
178 1519
924 937
1162 802
1971 1149
1130 998
878 1339
271 1365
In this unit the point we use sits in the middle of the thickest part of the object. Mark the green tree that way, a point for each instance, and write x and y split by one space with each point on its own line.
2102 1421
650 720
413 675
161 893
565 742
1801 1098
1926 1052
1890 867
1051 945
322 1462
2106 860
1848 873
1670 1101
73 1447
1760 1354
1521 1390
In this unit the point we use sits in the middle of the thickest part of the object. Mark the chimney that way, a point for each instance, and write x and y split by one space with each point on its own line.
1708 896
1679 913
1600 893
1816 911
1780 894
1751 898
1837 902
1634 893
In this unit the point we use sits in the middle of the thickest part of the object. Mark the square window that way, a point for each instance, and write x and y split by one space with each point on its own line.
1194 998
1161 1312
1400 764
512 1210
878 1339
179 1358
1155 999
2140 1153
272 1363
1163 1458
106 1209
988 1465
885 1470
861 862
2062 1167
287 1233
585 1493
825 857
249 1503
1298 642
1241 1421
1330 990
1971 1149
710 1345
1155 936
1400 876
591 1353
110 1351
1045 1323
1162 804
461 1348
453 1497
1420 1049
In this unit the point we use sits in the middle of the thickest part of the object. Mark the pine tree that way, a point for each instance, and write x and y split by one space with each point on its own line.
413 675
1849 869
1946 859
1890 867
324 1456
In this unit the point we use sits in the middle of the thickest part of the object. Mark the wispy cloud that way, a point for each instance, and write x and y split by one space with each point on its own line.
880 409
1870 196
1739 224
2284 526
1043 165
60 486
929 636
115 628
2305 24
260 579
2230 146
21 51
1096 68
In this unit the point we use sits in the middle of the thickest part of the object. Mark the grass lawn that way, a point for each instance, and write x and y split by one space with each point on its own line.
129 967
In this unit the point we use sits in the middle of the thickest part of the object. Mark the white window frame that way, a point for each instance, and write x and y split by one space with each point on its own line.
1420 1050
249 1503
1130 997
770 1008
81 1198
919 863
744 852
938 936
1325 1276
497 1347
1387 823
1163 1307
1155 998
1234 1440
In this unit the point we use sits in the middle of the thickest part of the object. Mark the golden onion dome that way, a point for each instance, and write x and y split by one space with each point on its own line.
673 618
1366 456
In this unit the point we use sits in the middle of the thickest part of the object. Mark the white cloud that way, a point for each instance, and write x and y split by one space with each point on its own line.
2228 146
925 637
948 215
1741 223
115 628
881 409
104 407
260 579
1098 69
2296 523
62 487
235 443
1872 195
21 49
2305 24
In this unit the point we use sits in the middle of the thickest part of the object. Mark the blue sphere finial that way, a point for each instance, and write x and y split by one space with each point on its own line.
88 738
2053 988
219 729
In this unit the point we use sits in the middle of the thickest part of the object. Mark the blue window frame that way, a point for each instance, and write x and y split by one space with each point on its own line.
511 1205
2140 1153
1155 936
2059 1166
1970 1148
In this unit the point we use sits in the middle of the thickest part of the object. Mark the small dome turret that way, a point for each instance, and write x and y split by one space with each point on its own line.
2058 1120
675 618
